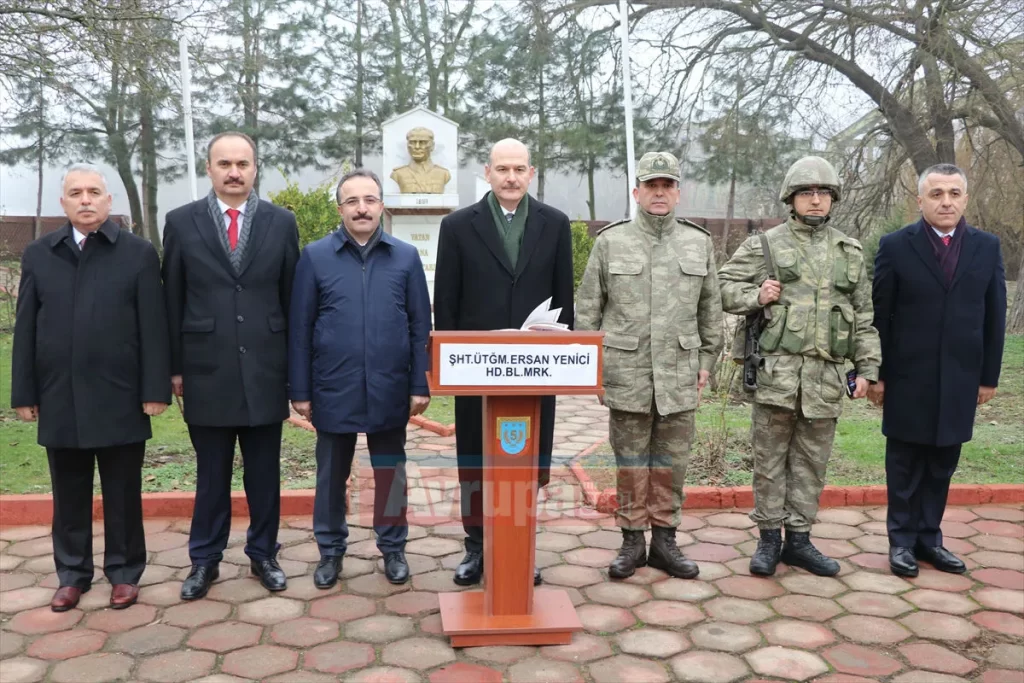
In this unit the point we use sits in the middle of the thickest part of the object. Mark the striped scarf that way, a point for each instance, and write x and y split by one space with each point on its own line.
238 254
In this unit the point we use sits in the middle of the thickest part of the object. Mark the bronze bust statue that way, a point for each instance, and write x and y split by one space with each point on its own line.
421 175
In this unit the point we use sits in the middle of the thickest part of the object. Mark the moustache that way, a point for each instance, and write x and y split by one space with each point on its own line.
362 217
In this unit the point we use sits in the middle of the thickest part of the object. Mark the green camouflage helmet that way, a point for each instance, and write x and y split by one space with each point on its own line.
810 172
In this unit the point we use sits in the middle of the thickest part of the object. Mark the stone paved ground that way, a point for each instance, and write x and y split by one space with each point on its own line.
726 626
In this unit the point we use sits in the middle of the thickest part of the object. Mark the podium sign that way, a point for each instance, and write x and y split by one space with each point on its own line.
511 370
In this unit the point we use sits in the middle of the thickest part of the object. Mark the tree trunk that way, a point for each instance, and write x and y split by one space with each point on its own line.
592 204
403 99
359 84
123 164
37 229
250 94
147 153
729 212
542 121
1015 320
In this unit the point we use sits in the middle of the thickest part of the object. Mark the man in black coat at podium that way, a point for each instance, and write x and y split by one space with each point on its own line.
497 260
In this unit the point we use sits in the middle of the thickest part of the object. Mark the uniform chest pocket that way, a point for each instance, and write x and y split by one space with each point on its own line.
625 281
693 268
787 265
795 330
848 267
841 325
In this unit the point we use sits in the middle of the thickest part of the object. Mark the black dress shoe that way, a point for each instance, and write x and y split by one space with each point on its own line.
941 559
902 562
270 573
198 582
396 569
536 577
471 569
327 570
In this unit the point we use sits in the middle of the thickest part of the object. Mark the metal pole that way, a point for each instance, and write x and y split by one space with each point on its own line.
627 96
186 106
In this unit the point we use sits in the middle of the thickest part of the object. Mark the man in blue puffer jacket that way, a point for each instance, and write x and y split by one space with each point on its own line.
357 362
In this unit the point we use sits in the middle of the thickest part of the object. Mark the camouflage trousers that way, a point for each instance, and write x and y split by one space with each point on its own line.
651 453
791 453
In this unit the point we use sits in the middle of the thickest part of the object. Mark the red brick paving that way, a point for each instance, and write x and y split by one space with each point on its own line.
724 626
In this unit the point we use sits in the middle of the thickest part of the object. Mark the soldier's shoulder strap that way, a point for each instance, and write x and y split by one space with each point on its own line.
843 238
622 221
691 224
769 262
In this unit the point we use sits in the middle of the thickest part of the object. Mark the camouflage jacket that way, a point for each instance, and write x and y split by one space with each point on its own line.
823 317
650 285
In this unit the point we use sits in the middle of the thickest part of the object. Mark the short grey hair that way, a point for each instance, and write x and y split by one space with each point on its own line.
358 173
940 169
83 167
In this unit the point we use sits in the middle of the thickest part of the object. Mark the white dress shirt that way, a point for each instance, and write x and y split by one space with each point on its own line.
227 219
78 236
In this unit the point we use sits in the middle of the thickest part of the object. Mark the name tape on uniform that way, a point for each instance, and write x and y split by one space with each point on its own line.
570 365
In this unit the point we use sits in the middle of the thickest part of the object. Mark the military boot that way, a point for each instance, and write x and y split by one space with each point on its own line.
799 552
666 556
766 557
632 554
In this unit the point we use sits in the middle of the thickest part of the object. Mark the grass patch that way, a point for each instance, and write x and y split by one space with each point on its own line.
994 455
441 409
170 460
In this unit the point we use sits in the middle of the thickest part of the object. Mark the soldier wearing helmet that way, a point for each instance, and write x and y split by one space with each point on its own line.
820 317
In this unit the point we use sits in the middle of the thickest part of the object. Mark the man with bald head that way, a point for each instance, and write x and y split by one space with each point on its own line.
91 365
497 260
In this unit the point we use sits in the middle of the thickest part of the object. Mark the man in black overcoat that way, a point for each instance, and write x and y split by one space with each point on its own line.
497 260
229 260
940 310
91 363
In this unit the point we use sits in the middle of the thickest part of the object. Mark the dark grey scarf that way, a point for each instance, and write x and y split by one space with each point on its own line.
238 254
363 249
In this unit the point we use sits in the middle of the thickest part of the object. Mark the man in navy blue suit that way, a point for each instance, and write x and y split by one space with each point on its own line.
940 310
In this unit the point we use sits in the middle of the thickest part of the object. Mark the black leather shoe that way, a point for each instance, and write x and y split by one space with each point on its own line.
470 571
198 582
941 559
270 573
902 562
396 569
536 577
326 573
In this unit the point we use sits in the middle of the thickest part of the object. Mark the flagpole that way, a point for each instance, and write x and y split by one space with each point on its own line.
627 96
186 106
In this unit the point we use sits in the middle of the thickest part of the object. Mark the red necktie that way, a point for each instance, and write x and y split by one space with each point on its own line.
946 239
233 228
81 244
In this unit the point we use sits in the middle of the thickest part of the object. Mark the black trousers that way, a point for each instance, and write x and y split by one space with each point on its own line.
211 517
71 475
917 478
334 454
469 448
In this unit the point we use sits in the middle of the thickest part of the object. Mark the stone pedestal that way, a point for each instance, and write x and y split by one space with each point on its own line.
415 217
420 228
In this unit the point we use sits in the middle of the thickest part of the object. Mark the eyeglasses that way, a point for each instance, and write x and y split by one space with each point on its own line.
807 194
353 202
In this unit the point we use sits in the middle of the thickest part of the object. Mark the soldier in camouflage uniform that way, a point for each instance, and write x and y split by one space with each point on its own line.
821 315
650 286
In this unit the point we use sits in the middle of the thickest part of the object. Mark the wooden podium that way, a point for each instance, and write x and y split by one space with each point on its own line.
511 370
